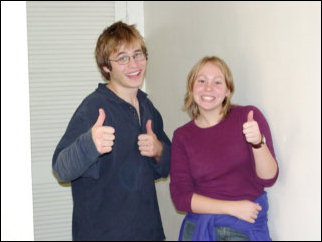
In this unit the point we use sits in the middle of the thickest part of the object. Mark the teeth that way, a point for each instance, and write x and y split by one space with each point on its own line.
133 74
207 98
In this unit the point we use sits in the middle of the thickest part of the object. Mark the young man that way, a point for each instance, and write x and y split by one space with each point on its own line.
115 147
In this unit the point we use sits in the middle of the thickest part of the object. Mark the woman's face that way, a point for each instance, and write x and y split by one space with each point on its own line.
210 89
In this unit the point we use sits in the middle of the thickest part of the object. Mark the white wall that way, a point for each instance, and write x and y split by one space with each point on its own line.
274 52
16 195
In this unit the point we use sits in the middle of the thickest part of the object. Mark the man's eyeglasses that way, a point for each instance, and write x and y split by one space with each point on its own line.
123 60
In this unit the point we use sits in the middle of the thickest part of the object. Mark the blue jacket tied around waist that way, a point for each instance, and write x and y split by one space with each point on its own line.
205 224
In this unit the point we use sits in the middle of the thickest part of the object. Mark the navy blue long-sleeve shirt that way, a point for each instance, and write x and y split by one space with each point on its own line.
114 193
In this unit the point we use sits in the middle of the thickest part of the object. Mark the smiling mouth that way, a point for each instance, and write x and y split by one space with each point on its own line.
207 98
134 74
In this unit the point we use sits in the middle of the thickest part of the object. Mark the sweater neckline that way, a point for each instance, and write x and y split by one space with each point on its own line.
111 95
193 122
219 124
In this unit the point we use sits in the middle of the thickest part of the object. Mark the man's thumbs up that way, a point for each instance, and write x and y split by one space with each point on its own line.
149 127
148 143
103 136
101 118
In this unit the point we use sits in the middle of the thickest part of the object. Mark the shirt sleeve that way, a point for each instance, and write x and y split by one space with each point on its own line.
76 154
181 182
265 130
161 168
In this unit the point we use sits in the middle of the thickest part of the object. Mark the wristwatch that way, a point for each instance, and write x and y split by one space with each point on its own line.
259 145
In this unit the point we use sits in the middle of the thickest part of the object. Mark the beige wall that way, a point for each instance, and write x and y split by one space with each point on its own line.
274 52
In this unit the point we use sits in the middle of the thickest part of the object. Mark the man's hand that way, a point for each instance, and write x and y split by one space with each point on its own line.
148 143
103 136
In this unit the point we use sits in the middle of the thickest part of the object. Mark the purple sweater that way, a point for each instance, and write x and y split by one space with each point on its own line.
217 162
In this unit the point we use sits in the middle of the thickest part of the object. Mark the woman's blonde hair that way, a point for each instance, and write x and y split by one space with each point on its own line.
189 104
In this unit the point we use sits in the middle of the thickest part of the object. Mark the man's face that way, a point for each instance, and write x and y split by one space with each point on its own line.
130 75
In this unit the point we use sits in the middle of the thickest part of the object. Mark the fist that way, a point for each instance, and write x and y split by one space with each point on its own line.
251 130
103 136
148 143
246 210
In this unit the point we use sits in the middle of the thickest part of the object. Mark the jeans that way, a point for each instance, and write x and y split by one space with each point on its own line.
222 233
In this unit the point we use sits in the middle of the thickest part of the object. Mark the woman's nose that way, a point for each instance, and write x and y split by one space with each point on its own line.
208 86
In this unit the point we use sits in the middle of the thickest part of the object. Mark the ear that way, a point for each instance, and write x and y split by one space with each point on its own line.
106 69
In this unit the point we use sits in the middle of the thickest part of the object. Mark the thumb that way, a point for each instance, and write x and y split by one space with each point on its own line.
250 116
101 117
148 127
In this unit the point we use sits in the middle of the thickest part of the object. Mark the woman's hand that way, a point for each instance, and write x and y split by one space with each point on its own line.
251 130
245 210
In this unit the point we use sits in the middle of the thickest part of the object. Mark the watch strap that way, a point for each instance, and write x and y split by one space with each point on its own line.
259 145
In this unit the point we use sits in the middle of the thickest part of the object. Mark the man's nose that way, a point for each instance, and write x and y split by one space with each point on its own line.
132 61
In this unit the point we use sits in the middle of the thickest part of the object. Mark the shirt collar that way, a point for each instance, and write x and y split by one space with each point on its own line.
112 96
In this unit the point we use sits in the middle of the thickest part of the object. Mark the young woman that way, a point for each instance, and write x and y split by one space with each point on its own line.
221 161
